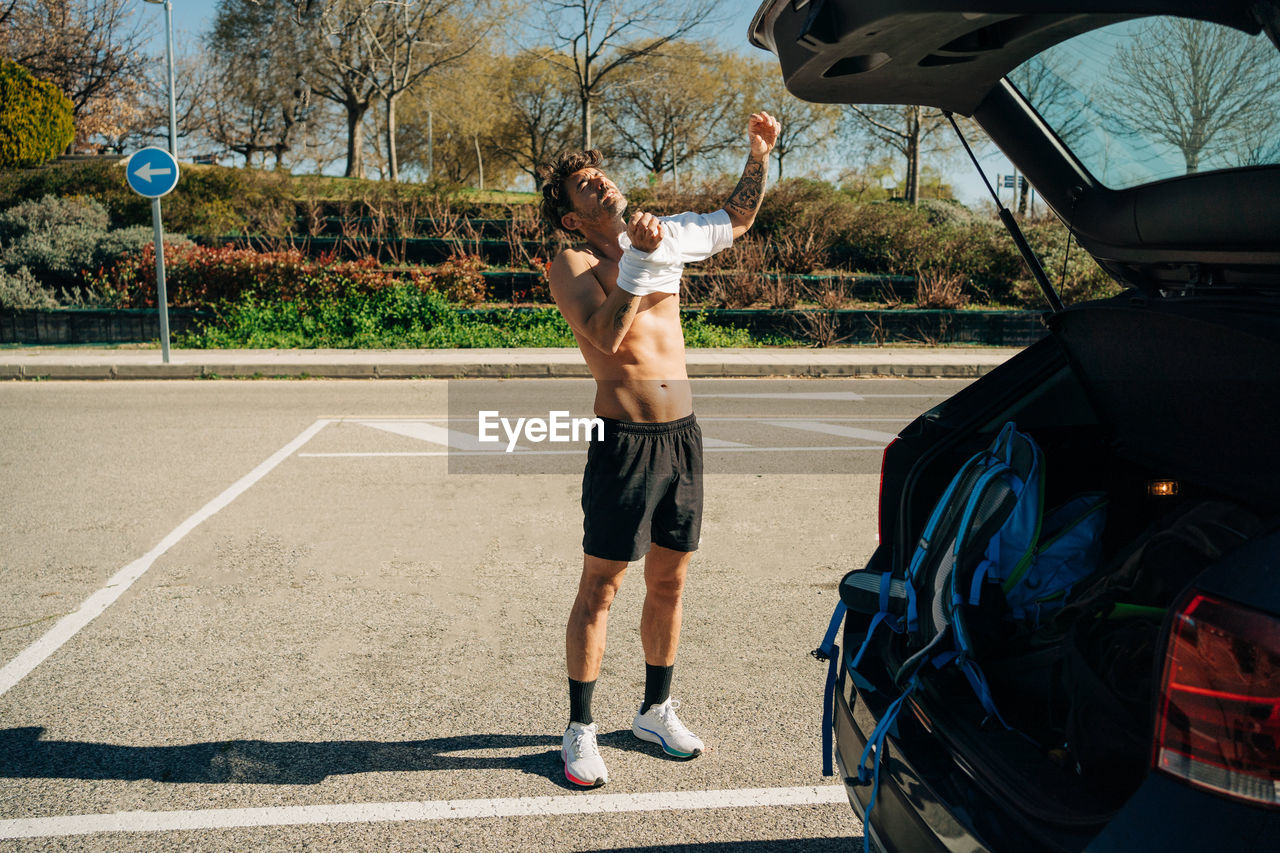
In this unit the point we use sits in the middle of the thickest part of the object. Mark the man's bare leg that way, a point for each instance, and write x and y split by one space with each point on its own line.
584 649
589 618
656 721
664 574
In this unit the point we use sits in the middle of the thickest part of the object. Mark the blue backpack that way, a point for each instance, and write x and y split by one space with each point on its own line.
987 538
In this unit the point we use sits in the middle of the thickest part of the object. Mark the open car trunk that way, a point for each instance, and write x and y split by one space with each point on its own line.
1125 394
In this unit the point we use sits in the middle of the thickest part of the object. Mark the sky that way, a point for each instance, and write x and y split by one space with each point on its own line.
193 18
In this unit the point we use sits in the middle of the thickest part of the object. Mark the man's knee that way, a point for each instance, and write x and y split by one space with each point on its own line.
665 586
596 593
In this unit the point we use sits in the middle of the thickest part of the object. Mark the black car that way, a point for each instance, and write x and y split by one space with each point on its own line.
1152 721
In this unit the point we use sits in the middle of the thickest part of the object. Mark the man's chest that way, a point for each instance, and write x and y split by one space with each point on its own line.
606 273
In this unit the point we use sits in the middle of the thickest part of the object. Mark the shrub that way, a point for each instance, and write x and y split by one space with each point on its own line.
35 123
204 276
805 221
400 315
937 289
735 288
19 291
699 332
801 252
778 292
884 237
664 199
51 212
1083 279
459 279
946 212
60 240
819 328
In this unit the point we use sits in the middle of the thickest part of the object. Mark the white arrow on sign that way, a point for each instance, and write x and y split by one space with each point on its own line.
146 171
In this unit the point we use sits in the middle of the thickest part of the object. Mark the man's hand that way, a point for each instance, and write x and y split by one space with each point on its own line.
645 231
762 131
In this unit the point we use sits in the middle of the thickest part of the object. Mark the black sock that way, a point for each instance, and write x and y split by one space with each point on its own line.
657 685
580 701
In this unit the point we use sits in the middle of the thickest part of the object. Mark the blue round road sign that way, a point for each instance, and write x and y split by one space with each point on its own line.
152 172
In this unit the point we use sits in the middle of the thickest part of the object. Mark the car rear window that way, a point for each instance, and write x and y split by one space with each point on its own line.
1158 98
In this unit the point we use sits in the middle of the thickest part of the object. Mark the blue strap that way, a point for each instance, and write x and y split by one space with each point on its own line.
977 681
825 651
979 575
1003 445
875 749
828 715
876 620
831 653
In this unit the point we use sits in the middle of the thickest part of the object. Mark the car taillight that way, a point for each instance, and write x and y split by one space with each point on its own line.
882 535
1219 723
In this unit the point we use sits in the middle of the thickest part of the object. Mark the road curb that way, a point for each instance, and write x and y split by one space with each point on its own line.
97 372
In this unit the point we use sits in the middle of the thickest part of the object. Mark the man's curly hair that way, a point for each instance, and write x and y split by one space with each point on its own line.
553 173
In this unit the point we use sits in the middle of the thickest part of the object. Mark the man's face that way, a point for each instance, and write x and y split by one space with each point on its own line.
593 196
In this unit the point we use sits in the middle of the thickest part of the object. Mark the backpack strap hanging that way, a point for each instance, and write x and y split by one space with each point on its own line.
830 652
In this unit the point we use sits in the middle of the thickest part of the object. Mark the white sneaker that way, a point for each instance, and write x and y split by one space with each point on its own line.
582 762
661 725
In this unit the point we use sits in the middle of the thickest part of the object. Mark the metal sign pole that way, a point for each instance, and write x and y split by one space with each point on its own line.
162 298
173 130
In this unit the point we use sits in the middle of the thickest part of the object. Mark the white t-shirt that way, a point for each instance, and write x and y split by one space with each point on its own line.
686 237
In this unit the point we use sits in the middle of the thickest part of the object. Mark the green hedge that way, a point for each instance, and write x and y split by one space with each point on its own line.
35 122
403 316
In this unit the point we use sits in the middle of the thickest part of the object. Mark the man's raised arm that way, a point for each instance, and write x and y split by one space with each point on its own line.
602 320
744 201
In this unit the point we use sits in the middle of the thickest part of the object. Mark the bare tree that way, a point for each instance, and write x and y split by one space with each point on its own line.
141 116
539 103
408 39
1201 88
341 63
805 125
1046 84
459 142
257 101
682 106
595 40
905 129
90 49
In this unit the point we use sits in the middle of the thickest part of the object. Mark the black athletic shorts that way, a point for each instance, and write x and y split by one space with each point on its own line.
642 485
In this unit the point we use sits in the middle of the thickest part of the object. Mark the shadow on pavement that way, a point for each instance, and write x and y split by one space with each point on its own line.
788 845
624 740
23 755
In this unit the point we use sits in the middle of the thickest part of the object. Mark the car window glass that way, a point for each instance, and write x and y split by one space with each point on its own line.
1157 98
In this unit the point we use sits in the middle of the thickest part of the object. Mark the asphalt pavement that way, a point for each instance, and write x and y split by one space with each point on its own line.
272 615
37 362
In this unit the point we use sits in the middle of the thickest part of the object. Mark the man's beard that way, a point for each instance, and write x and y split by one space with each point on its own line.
615 206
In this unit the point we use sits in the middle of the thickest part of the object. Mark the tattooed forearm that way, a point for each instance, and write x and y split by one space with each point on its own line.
620 318
745 198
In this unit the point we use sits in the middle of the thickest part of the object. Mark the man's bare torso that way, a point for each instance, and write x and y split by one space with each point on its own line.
646 379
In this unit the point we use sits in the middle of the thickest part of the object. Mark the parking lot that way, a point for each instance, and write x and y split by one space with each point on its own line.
278 615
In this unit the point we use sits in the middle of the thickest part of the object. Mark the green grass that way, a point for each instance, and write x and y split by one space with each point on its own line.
402 317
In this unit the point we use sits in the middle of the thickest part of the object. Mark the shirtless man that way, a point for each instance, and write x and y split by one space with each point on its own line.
642 488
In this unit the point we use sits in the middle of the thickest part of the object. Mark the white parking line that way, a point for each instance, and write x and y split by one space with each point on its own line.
431 433
67 627
836 429
173 821
838 396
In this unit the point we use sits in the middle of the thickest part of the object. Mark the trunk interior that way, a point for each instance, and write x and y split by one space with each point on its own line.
1143 391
